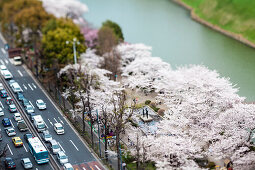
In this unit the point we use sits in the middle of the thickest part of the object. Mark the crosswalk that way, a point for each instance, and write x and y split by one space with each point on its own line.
88 166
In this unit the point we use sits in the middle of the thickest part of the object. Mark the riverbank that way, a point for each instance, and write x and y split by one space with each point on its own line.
195 17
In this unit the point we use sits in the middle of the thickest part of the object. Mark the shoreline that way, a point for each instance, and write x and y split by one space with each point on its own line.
232 35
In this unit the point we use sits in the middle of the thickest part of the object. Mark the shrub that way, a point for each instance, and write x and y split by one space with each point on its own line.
147 102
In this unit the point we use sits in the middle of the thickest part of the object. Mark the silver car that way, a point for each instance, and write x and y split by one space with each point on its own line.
62 158
46 136
54 146
27 164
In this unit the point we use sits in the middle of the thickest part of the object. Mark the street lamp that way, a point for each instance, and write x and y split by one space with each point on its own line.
74 48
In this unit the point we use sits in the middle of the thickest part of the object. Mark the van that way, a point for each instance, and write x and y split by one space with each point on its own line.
39 123
16 88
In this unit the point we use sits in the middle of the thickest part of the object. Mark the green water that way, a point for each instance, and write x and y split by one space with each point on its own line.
177 39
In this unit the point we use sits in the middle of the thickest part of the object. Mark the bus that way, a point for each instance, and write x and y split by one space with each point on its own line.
37 149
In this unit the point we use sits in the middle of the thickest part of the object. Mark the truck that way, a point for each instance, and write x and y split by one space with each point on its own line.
39 123
15 56
22 126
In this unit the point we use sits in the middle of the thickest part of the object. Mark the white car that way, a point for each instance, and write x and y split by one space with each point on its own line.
46 136
6 74
17 117
1 86
1 112
59 129
16 88
40 104
68 166
3 67
62 158
10 131
54 146
29 109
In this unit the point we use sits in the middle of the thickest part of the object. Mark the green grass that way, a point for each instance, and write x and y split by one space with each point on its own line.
237 16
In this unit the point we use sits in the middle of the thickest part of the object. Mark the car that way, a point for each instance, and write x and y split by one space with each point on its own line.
27 136
68 166
3 67
22 126
46 136
59 129
1 112
6 122
12 108
3 93
1 86
10 131
17 141
62 158
9 100
11 81
29 109
9 163
31 116
40 104
54 146
7 75
16 88
20 96
17 117
25 102
27 164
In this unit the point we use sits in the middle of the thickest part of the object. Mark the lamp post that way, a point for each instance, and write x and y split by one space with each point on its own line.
74 48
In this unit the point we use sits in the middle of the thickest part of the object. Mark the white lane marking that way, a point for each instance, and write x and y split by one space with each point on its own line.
46 125
25 147
34 85
1 104
30 86
83 168
11 123
25 86
31 104
74 145
55 119
20 73
61 147
2 62
97 167
3 50
50 122
9 149
6 61
36 168
60 120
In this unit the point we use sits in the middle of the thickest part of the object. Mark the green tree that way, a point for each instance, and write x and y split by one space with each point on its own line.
55 38
116 29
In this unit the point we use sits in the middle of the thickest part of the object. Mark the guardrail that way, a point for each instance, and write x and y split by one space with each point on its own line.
31 127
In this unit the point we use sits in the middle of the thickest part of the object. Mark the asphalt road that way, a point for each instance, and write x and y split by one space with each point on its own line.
78 154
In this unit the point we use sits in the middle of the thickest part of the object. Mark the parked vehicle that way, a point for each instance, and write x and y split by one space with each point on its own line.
12 108
9 100
9 163
27 136
1 112
27 164
16 88
17 141
22 126
6 74
62 158
20 96
38 150
6 122
10 131
59 129
39 123
46 136
40 104
54 146
3 93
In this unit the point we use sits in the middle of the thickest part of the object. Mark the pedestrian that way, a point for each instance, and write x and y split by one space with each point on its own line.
143 112
124 165
147 113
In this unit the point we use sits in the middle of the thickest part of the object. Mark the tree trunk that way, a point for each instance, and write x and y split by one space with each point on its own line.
118 148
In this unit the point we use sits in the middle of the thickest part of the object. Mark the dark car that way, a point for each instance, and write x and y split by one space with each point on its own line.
20 96
3 93
9 163
25 102
27 136
12 108
9 100
31 116
6 122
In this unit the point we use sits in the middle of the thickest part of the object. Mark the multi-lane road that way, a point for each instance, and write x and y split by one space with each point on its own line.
78 153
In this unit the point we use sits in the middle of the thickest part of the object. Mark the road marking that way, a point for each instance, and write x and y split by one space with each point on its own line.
50 122
34 85
11 123
6 61
31 104
9 149
20 73
36 168
3 50
25 147
97 167
83 168
74 145
25 86
46 125
60 120
2 62
61 147
1 104
55 119
30 86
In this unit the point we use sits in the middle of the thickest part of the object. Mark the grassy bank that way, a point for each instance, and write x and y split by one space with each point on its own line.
237 16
